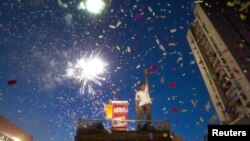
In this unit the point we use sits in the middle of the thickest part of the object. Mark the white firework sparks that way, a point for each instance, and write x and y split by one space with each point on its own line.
86 71
95 6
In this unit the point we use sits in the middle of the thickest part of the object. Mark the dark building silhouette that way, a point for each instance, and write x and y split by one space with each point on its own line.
95 131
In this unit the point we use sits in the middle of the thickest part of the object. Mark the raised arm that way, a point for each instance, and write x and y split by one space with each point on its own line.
146 78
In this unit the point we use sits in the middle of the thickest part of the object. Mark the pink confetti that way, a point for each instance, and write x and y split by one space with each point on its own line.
153 69
173 68
138 16
172 84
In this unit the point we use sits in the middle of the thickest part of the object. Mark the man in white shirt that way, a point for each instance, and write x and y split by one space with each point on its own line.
143 103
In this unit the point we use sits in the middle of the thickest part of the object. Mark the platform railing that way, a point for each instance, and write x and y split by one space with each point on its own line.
131 124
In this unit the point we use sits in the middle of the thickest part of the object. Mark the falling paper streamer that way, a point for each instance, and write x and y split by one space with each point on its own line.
184 110
179 59
162 47
192 62
171 44
150 9
128 49
138 66
117 47
172 30
207 106
112 26
157 41
201 119
194 103
162 80
118 24
164 109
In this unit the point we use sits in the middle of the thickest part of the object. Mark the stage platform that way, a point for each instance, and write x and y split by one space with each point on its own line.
97 132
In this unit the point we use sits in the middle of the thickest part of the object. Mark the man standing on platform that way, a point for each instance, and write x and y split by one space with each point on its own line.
143 103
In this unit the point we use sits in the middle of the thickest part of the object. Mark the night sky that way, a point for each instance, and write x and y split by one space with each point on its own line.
40 39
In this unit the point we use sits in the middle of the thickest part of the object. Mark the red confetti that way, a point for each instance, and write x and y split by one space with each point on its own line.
152 69
173 68
138 16
171 85
175 110
11 82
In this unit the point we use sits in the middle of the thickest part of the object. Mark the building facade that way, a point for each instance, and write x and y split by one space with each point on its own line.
219 40
10 132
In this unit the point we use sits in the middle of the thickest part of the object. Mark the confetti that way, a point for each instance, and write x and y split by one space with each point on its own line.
138 66
138 16
194 103
150 9
128 49
162 80
192 62
172 85
162 48
175 110
118 48
207 106
172 44
112 26
153 69
11 82
201 119
179 59
173 30
118 24
184 110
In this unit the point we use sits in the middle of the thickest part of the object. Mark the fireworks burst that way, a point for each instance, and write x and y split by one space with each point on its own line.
86 71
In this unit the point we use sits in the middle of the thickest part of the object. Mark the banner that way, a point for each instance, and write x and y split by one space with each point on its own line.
120 113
